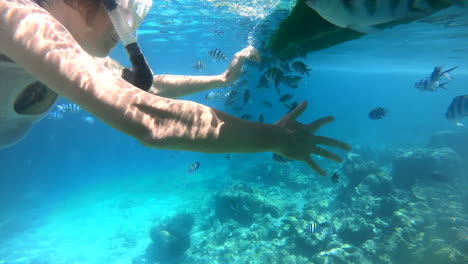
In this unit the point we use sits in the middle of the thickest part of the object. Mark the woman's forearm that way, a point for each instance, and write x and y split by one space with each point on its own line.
174 86
49 52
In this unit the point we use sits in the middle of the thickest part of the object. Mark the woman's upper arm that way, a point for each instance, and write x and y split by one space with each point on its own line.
36 41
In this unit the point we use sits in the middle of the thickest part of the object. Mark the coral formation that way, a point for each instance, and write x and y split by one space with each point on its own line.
170 239
426 165
458 141
242 204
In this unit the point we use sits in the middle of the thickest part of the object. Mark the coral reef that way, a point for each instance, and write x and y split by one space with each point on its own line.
458 141
170 239
426 165
242 204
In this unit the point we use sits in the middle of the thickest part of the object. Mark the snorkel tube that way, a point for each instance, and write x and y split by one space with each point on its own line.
125 25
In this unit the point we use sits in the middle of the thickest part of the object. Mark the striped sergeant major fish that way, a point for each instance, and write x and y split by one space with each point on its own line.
433 82
378 113
300 67
316 227
275 75
217 55
364 15
72 108
458 109
55 115
193 167
198 65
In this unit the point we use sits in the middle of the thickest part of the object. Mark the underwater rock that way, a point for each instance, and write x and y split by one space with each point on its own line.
458 141
243 204
356 168
426 166
170 239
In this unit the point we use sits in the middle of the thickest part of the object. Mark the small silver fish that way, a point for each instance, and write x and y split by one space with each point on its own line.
88 119
212 95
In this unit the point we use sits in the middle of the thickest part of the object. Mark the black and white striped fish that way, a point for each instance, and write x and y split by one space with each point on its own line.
228 97
55 115
72 108
198 65
217 55
377 113
292 81
280 159
275 75
316 227
458 109
193 167
300 67
363 15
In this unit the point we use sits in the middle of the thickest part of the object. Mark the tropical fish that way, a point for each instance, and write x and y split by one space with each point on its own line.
433 82
72 108
198 65
267 104
261 119
316 227
212 95
458 109
300 67
263 83
291 106
246 96
363 15
275 76
88 119
228 97
285 98
292 81
217 55
55 115
335 177
193 167
377 113
280 159
246 116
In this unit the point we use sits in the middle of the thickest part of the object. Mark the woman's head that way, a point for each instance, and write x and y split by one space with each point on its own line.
87 21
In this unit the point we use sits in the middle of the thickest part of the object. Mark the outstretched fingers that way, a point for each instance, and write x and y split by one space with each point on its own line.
326 154
315 167
296 112
317 124
331 142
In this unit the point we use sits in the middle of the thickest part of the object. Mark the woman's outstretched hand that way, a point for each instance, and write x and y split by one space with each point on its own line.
303 141
234 69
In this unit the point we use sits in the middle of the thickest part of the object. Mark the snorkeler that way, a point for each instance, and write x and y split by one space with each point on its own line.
49 50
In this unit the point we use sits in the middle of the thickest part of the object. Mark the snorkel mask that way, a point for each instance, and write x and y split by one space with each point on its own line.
126 16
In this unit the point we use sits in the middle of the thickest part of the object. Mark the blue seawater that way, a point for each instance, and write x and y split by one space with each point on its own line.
75 192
